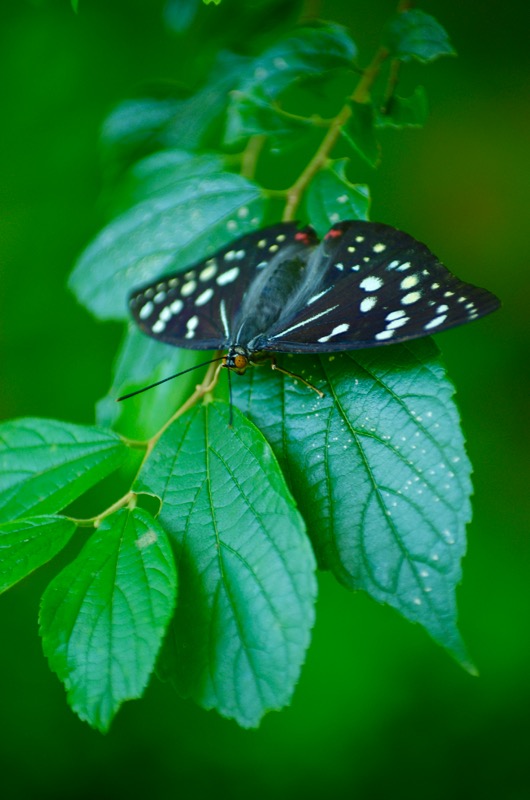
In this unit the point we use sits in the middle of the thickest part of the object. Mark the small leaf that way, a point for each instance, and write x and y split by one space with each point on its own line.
359 132
247 585
413 34
403 112
253 114
331 197
103 617
170 230
46 464
179 15
29 543
380 472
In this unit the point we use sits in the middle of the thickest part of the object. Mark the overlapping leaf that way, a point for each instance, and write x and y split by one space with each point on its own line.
103 617
172 119
46 464
380 472
175 226
359 132
308 52
246 569
142 361
332 197
27 544
413 34
405 112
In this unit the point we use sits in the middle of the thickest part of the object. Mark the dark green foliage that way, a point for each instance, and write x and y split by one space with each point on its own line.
374 475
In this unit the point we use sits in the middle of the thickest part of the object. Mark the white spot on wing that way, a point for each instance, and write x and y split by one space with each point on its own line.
188 288
227 277
159 297
384 335
371 284
176 306
191 325
159 326
396 314
435 322
204 297
368 303
379 247
208 272
146 310
335 332
411 297
409 281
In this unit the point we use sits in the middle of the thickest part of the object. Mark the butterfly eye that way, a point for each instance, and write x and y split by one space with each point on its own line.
240 362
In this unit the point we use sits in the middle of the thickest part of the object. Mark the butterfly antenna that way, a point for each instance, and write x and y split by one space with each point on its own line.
170 378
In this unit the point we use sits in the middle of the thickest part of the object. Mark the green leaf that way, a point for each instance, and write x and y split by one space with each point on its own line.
247 584
359 132
103 618
140 362
254 114
46 464
403 112
379 469
332 197
75 5
179 15
27 544
171 229
173 120
307 53
413 34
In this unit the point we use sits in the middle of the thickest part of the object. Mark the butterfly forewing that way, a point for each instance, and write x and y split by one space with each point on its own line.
196 308
369 284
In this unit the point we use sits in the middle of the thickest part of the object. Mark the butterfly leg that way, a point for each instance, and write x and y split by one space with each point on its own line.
275 366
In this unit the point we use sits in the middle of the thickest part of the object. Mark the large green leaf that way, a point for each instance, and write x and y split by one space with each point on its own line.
306 53
27 544
179 224
46 464
332 197
379 469
247 584
102 618
171 117
413 34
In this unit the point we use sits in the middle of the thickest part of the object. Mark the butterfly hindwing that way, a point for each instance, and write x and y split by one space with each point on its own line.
369 284
195 308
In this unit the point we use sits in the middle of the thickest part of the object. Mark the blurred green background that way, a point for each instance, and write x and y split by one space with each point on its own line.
380 711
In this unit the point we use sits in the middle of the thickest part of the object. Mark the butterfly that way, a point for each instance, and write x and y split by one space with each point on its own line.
281 290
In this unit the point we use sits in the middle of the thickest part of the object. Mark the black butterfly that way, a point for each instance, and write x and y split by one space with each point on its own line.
280 290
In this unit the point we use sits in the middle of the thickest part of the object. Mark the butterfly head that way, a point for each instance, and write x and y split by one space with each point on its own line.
237 359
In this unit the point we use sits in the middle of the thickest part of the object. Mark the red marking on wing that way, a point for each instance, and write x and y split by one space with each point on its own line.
333 233
302 237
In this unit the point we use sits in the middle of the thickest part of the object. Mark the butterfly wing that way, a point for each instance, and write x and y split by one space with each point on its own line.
196 308
369 284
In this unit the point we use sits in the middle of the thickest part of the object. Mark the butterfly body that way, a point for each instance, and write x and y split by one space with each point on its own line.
280 290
